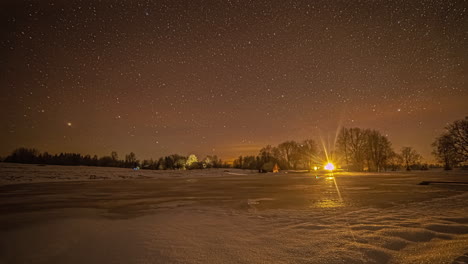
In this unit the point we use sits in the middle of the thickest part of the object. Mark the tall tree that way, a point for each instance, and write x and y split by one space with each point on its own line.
308 153
353 141
130 160
343 145
445 151
266 154
458 132
378 150
289 153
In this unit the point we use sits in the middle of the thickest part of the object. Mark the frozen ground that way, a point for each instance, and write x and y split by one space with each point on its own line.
56 214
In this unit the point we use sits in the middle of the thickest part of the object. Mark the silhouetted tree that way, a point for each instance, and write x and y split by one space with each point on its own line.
445 150
162 164
308 153
114 156
394 161
115 160
410 157
179 161
352 146
23 155
249 162
238 163
265 156
131 160
378 150
289 153
453 144
95 161
343 144
106 161
362 149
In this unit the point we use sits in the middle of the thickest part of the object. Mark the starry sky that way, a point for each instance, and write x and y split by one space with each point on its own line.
227 77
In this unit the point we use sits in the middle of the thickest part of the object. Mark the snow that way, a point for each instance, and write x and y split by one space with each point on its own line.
210 216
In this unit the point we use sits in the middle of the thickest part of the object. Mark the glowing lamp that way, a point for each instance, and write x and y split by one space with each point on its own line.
329 166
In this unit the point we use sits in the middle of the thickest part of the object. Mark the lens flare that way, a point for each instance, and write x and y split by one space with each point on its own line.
329 166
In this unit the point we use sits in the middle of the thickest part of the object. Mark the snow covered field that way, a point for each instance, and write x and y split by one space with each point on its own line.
55 214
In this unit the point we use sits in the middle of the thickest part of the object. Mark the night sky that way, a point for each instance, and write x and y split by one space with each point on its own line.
227 77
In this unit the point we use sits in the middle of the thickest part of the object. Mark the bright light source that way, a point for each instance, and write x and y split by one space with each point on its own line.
315 168
329 166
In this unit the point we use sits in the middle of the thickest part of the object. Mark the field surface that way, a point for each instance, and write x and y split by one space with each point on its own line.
56 214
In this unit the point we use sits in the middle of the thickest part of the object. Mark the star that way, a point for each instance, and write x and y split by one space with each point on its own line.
228 72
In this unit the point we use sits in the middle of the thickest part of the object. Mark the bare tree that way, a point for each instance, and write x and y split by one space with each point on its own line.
394 161
458 132
288 152
308 152
446 152
114 156
266 154
343 145
378 150
130 160
352 144
410 157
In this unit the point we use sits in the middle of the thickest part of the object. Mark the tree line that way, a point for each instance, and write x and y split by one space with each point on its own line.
288 155
356 149
369 150
171 162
